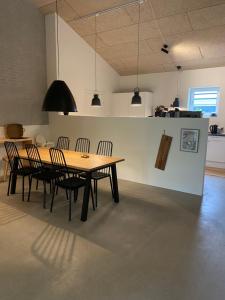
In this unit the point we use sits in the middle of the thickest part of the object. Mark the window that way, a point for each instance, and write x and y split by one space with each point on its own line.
205 100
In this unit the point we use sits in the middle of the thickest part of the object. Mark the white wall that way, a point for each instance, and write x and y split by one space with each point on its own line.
137 140
76 68
164 86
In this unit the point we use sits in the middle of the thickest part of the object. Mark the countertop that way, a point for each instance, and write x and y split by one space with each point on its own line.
218 134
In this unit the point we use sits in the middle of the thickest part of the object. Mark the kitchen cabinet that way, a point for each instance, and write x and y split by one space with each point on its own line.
216 152
121 105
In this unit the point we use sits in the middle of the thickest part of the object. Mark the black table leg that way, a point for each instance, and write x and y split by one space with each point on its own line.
87 189
115 184
14 175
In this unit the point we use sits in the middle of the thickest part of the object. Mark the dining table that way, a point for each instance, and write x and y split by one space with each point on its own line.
85 162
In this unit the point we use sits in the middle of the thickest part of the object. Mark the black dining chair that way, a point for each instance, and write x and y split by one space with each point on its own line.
21 170
63 143
82 145
43 173
104 148
68 183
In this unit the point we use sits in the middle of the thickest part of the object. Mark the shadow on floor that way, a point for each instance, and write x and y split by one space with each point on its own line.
143 210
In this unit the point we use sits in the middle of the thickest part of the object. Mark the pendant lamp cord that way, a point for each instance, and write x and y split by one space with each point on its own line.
57 37
138 50
95 53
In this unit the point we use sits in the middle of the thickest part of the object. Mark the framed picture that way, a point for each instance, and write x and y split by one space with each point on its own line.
189 140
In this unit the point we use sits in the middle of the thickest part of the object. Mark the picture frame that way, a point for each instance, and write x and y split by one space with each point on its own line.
189 140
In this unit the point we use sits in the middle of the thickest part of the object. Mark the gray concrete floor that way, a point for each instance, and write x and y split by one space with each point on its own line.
156 244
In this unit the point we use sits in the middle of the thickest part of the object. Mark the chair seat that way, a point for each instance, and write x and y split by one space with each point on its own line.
99 175
75 172
47 175
26 171
95 175
71 183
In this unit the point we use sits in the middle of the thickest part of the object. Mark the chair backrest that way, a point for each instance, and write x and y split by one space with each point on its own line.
63 143
82 145
33 156
105 148
58 160
12 152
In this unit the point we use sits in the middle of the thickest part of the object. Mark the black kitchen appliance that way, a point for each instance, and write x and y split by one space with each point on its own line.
213 129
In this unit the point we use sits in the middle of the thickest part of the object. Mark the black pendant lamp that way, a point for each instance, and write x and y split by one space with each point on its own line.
95 100
136 99
59 97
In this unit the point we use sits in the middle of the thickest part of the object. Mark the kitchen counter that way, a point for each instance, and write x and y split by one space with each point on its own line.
216 151
218 134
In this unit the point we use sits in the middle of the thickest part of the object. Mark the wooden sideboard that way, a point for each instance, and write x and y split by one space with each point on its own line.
25 140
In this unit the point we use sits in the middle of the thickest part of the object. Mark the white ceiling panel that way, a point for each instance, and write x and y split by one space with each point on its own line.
113 20
85 7
119 36
213 51
193 29
163 8
208 17
149 30
146 13
175 24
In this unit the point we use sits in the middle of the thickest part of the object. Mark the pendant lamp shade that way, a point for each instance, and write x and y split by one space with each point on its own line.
96 101
59 98
136 99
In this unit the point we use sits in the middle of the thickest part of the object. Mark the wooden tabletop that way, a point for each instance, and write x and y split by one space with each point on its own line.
22 140
75 161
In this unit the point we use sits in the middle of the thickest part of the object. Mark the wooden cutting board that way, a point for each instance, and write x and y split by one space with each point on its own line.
163 152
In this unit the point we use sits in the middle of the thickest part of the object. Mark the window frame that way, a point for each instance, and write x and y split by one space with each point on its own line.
192 91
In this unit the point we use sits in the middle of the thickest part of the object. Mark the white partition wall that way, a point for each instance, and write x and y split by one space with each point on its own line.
137 140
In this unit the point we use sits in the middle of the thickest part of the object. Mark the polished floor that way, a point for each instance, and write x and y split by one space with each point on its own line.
156 244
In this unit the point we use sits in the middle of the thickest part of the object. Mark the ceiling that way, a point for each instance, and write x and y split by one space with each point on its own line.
193 29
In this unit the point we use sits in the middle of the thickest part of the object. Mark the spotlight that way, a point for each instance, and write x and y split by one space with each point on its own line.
164 49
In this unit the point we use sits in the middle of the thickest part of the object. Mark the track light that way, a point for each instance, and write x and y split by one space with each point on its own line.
165 49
